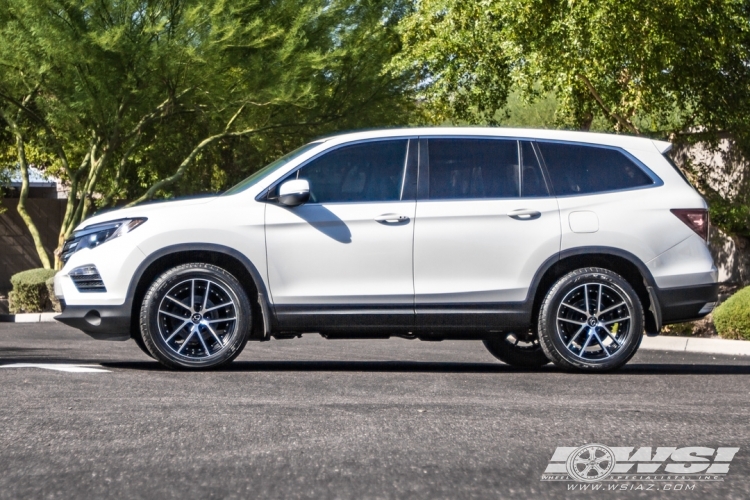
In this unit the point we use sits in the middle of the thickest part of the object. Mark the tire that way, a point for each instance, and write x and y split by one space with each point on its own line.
518 351
195 316
615 317
141 345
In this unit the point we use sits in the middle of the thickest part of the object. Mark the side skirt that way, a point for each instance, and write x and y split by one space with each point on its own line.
433 322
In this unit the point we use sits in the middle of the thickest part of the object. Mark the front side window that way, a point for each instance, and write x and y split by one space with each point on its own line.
578 169
269 169
366 172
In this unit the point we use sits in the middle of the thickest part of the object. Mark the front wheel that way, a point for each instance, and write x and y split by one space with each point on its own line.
591 320
195 316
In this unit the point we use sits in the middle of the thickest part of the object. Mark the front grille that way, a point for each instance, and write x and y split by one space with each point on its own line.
87 279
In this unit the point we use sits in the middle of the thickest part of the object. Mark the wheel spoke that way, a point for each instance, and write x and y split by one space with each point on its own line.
185 342
218 320
203 342
179 303
171 315
215 336
583 327
606 352
177 331
599 301
585 345
571 321
230 303
205 296
611 308
586 293
192 295
575 309
615 320
609 334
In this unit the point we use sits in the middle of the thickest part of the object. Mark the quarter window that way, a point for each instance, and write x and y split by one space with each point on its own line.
578 169
372 171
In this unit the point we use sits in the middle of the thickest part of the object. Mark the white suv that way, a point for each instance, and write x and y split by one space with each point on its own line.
547 245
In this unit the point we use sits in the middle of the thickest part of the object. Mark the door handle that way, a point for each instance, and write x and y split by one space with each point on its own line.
392 218
524 214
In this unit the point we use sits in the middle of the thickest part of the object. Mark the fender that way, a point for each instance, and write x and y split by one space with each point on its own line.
655 307
260 285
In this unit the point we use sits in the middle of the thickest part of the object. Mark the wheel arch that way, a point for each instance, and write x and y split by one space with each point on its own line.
227 258
620 261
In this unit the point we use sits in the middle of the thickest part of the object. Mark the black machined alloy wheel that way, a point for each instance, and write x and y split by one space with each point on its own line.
195 316
519 350
591 320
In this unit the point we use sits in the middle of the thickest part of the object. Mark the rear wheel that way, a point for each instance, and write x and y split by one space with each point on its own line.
195 316
591 320
520 350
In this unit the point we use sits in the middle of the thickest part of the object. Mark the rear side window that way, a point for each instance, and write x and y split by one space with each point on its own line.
473 168
578 169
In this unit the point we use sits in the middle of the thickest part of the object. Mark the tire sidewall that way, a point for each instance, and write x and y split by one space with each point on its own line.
554 346
155 294
499 347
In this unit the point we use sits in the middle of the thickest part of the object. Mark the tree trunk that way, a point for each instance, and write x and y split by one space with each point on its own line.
22 204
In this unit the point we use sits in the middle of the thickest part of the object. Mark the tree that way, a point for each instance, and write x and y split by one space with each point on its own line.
677 69
131 96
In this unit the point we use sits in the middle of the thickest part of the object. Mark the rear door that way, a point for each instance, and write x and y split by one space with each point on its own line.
485 223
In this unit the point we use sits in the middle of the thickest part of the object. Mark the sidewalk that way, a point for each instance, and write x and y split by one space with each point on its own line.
690 344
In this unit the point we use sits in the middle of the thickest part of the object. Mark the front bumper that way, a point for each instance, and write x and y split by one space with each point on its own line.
686 303
99 322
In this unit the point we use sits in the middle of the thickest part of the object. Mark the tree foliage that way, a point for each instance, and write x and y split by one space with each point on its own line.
676 69
137 99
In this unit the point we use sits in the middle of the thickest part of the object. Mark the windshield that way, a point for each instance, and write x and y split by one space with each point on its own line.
269 169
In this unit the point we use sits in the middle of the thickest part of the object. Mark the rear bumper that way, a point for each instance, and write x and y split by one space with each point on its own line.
99 322
686 303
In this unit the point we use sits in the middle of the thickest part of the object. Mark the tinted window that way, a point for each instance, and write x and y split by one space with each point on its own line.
270 168
371 171
578 169
473 168
532 180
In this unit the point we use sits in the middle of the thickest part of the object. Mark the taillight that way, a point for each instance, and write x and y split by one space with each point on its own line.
695 218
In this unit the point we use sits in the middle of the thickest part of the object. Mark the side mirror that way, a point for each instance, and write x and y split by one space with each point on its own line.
294 193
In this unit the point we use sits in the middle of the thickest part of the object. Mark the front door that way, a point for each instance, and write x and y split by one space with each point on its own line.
486 222
343 261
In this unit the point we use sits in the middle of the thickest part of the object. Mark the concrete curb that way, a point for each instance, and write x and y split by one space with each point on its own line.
29 318
689 344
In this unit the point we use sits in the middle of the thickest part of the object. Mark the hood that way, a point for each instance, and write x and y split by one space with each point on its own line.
145 210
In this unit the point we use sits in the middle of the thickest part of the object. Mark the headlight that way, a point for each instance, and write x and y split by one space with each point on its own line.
96 234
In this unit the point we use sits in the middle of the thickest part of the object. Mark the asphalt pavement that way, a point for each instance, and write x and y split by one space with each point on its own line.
316 418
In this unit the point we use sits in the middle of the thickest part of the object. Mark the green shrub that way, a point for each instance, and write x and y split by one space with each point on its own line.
732 318
51 292
30 292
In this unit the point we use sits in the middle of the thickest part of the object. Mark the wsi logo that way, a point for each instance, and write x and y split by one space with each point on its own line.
596 462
